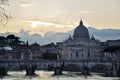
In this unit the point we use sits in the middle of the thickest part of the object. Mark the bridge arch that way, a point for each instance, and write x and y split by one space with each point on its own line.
99 68
15 67
72 67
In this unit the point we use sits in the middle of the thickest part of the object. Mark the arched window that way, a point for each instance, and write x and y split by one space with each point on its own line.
76 54
82 55
71 55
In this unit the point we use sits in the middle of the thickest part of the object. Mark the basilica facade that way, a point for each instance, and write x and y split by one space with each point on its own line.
81 45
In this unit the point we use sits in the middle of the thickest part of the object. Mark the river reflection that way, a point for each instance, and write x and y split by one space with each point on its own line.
45 75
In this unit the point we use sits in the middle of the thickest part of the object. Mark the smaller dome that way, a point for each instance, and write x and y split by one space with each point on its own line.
69 38
92 38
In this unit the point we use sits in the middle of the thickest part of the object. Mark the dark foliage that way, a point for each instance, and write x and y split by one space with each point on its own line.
50 45
112 49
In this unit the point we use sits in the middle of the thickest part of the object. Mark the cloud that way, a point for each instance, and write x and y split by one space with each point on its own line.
35 24
4 2
26 5
87 11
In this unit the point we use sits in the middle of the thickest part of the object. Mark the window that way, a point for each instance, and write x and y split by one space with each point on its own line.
76 54
71 55
44 65
82 55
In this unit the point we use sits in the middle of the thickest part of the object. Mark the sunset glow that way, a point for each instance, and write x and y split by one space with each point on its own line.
41 16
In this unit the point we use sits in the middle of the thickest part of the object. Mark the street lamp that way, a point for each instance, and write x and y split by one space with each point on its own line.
58 68
114 68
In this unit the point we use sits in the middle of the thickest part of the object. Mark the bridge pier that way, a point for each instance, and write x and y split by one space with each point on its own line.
86 71
30 70
57 71
118 69
118 72
3 72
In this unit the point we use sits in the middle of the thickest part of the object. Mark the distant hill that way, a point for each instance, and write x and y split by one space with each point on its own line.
103 35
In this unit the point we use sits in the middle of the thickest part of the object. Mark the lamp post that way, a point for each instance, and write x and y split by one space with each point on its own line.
85 67
58 68
114 73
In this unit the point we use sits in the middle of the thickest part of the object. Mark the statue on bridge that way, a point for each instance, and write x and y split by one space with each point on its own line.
30 69
57 70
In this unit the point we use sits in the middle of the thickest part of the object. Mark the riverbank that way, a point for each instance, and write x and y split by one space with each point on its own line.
48 75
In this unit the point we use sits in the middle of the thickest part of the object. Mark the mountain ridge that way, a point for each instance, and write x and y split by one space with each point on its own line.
102 35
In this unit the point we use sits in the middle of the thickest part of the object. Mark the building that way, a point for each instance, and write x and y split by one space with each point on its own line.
113 42
50 48
37 51
80 46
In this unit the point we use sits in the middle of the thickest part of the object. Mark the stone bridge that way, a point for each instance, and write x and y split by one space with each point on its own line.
68 65
107 67
91 65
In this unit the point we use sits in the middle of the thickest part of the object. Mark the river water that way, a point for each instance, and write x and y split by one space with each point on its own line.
45 75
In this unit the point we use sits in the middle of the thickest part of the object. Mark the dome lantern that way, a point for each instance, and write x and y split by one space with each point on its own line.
81 22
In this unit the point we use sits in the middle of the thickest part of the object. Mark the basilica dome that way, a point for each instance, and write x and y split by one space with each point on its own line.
81 32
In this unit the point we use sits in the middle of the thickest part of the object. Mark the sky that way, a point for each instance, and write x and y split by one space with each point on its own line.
41 16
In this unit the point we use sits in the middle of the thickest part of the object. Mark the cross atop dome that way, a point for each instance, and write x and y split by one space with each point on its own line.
81 22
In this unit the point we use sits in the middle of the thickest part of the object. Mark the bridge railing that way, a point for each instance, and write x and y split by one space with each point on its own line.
41 60
21 61
87 61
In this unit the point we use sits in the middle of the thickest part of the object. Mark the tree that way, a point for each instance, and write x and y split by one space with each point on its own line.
112 49
4 2
4 16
